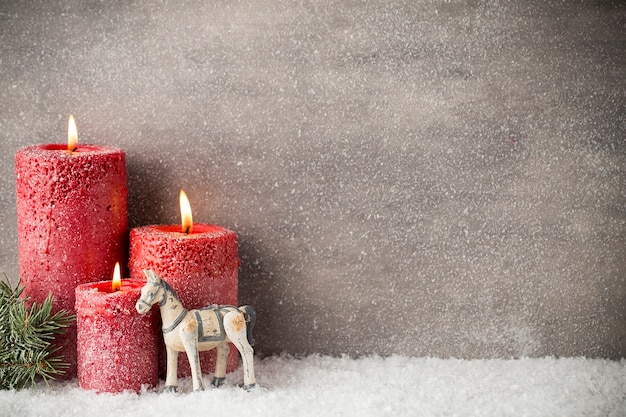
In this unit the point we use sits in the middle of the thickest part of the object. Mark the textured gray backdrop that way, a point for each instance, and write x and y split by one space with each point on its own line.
440 178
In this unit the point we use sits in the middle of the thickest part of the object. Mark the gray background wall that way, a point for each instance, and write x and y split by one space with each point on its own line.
438 178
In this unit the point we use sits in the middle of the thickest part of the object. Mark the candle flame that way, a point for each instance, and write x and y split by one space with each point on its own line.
72 134
185 211
117 280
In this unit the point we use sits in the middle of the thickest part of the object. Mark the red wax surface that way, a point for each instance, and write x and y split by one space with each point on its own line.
202 268
117 346
71 223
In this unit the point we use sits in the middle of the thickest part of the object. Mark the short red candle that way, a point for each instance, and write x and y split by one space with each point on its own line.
201 266
117 346
71 223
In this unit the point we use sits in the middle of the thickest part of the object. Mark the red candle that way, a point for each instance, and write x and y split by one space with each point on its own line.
71 222
200 261
117 347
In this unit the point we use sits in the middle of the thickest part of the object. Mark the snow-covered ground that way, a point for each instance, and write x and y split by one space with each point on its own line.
371 386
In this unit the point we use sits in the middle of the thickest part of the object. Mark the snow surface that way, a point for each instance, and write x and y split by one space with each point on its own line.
370 386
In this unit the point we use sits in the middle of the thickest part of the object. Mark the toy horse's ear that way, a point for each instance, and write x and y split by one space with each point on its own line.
152 276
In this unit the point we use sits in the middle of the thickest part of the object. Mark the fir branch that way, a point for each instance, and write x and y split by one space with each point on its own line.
27 331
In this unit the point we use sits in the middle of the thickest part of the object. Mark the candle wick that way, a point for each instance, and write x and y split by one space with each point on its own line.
187 230
74 149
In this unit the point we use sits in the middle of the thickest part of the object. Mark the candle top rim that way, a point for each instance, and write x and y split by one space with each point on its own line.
83 149
104 287
200 230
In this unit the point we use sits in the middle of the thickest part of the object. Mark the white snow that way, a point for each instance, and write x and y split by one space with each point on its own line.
370 386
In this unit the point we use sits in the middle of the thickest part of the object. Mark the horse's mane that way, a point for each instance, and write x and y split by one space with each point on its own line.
167 287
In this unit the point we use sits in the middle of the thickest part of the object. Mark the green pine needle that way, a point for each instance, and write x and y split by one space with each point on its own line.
27 331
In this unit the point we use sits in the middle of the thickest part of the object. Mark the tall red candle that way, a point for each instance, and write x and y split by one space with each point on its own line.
117 347
71 223
201 266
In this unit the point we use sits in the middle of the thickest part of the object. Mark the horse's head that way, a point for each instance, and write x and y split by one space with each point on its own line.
152 292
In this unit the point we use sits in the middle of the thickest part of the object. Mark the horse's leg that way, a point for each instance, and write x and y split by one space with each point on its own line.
220 364
171 379
235 327
189 337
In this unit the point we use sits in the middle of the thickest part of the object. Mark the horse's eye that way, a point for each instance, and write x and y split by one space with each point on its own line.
151 295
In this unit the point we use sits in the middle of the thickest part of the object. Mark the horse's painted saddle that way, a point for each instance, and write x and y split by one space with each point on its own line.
211 323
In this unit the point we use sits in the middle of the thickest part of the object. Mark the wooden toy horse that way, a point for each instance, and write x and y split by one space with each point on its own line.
198 330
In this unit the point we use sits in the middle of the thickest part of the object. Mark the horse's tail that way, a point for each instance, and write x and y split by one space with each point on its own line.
250 316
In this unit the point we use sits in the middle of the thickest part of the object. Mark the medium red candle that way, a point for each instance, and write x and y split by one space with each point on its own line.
117 347
71 222
200 261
